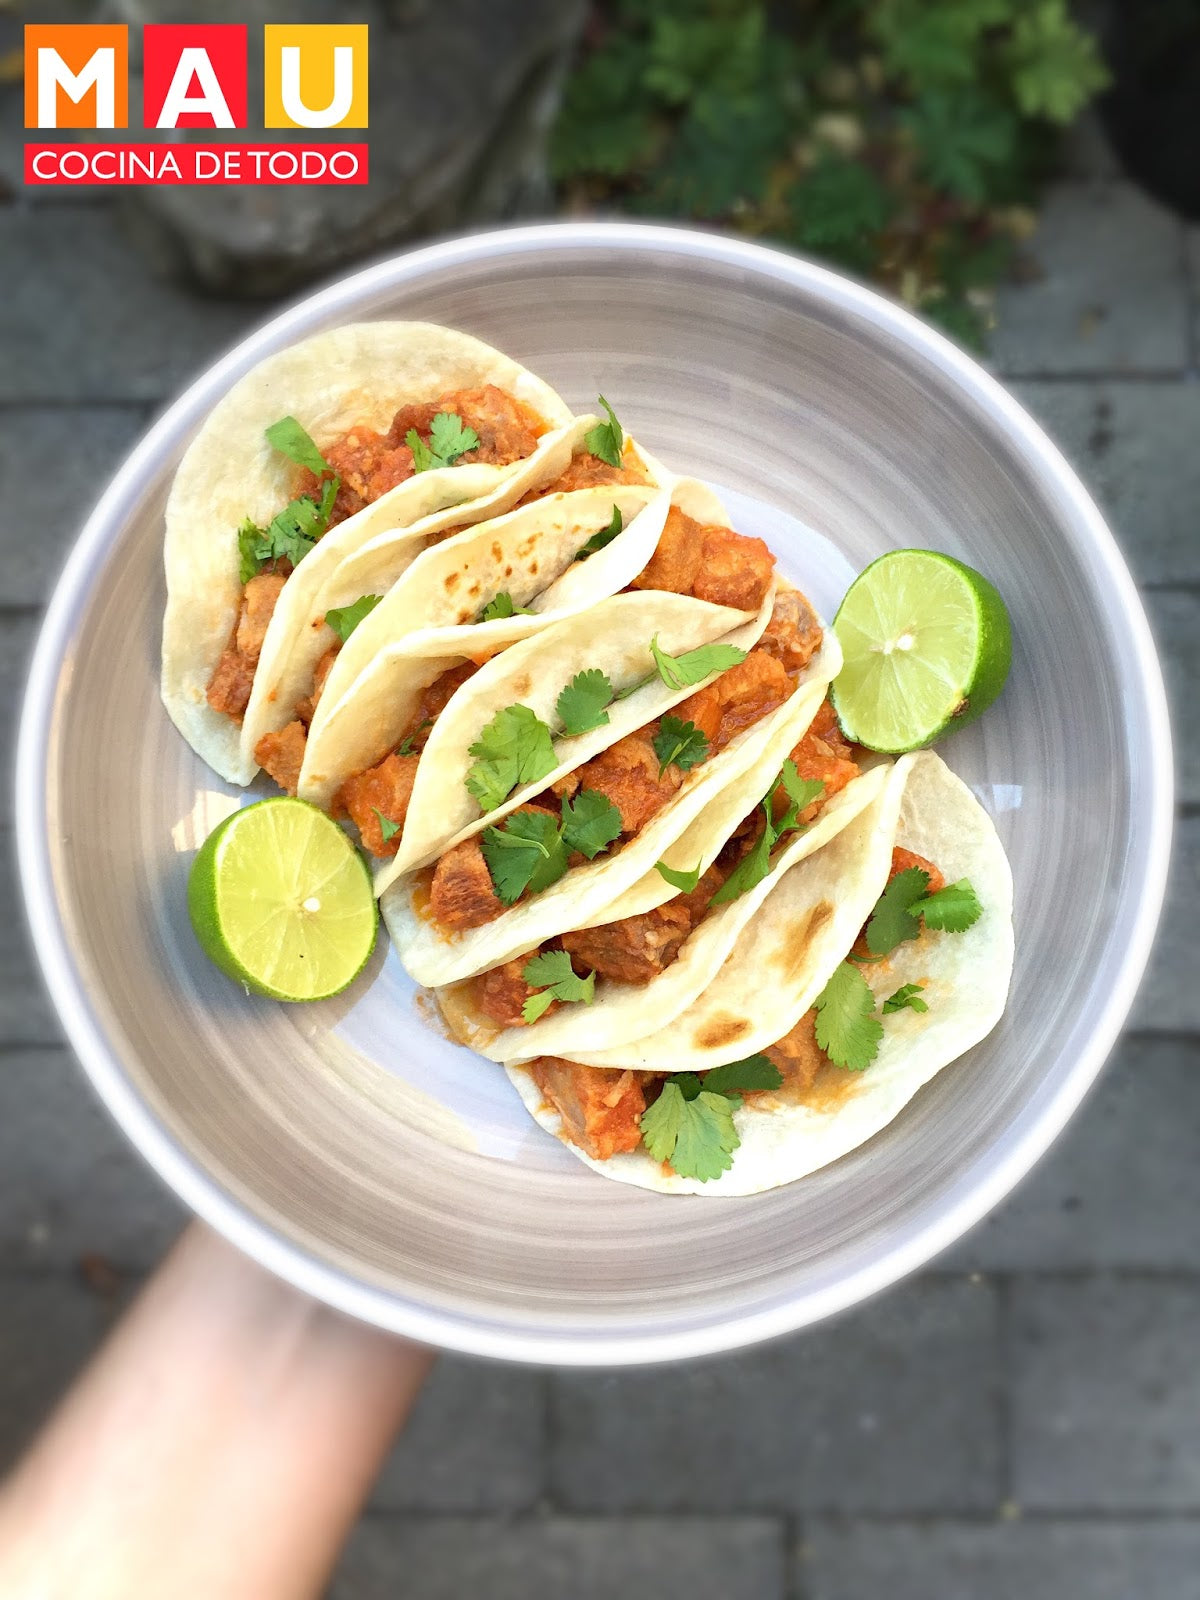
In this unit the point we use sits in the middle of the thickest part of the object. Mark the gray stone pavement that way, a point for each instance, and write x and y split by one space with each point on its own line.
1023 1418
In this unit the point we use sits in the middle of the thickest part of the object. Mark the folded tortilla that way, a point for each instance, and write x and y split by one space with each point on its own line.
358 374
759 994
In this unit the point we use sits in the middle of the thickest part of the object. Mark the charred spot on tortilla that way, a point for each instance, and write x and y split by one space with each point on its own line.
721 1030
795 950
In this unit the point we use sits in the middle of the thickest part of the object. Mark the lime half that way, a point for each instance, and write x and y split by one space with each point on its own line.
281 900
927 645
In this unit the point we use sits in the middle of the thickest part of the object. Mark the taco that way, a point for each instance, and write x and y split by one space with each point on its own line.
868 966
358 431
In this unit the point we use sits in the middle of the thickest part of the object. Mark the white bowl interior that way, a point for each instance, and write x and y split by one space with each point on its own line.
349 1145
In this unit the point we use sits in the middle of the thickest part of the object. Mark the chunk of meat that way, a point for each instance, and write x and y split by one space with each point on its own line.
637 949
798 1055
281 755
500 994
703 711
306 707
710 562
601 1111
462 894
435 697
903 859
230 685
793 635
383 790
587 471
737 699
824 755
627 774
370 463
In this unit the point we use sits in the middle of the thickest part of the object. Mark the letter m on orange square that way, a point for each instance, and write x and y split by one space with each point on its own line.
76 75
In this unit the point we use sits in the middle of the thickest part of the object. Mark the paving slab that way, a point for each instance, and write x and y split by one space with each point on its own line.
26 1014
54 461
559 1557
1193 262
1133 443
998 1561
1141 1121
1169 999
1105 1394
71 1185
86 320
49 1325
1105 292
476 1442
891 1408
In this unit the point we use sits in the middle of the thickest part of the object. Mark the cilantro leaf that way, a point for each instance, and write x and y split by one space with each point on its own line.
524 852
751 869
801 793
501 606
755 865
907 995
693 666
953 909
290 534
553 974
893 920
407 745
679 744
590 823
249 537
847 1029
736 1077
697 1137
606 439
605 536
387 827
581 705
686 881
448 439
291 440
513 749
344 619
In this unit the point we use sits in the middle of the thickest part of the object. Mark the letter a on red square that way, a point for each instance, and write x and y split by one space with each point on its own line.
195 75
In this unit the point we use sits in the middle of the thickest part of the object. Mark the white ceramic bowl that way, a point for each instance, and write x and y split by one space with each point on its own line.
348 1146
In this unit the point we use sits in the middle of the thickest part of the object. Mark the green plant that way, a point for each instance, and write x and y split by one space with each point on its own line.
903 139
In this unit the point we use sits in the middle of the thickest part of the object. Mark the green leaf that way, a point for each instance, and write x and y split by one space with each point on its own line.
839 207
449 438
515 748
738 1077
552 973
751 869
679 744
1056 66
606 439
291 440
907 995
939 43
847 1029
685 881
407 745
801 793
964 139
953 909
605 536
893 919
590 823
387 827
697 1137
755 865
525 851
581 705
693 666
501 606
290 534
423 457
249 538
344 619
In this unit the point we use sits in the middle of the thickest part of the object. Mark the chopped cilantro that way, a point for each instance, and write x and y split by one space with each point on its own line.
581 705
605 536
553 974
755 865
524 852
736 1077
847 1028
892 921
515 748
908 995
679 744
697 1137
387 827
590 823
606 439
449 438
501 606
953 909
693 666
290 534
344 619
407 745
685 881
291 440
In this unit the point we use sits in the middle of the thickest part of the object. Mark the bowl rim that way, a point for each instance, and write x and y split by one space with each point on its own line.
958 1209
